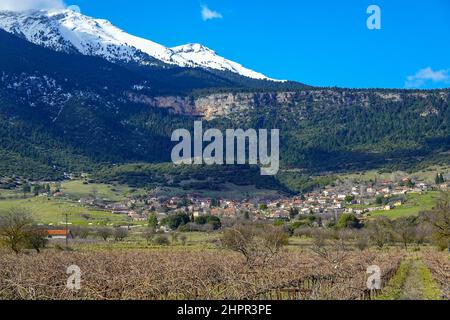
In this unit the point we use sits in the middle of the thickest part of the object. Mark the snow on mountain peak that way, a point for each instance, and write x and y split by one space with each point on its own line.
192 47
199 55
72 32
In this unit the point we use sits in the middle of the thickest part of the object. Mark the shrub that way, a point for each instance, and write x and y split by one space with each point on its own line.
212 220
183 239
162 240
120 234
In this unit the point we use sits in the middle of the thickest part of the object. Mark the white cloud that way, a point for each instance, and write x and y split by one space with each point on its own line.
23 5
208 14
427 75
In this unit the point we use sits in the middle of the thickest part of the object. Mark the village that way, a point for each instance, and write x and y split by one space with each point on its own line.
360 199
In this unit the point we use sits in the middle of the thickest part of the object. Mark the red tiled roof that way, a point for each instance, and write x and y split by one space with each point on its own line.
58 232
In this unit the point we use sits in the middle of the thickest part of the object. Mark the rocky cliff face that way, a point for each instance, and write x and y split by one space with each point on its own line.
214 105
237 104
226 104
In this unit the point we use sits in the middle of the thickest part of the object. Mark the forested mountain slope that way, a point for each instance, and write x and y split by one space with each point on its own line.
63 112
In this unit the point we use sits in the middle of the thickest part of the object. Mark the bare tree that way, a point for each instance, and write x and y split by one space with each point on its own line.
104 233
362 240
405 230
332 252
257 245
183 239
273 239
380 231
174 237
439 218
80 232
36 238
240 239
423 232
15 225
149 234
120 234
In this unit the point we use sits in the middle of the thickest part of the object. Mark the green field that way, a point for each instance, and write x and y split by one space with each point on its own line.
414 204
8 194
77 189
194 241
52 211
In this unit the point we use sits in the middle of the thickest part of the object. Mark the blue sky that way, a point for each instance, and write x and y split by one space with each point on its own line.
320 42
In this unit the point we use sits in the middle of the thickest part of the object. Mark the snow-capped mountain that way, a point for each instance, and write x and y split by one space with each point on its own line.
72 32
201 56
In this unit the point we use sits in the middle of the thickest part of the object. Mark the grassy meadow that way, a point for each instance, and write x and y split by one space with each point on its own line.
415 203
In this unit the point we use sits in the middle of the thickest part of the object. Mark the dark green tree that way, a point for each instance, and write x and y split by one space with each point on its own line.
153 221
293 212
348 220
176 220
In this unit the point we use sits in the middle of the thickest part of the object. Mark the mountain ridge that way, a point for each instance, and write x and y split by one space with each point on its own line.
71 32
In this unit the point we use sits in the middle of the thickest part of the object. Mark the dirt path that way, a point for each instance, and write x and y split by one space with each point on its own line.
413 281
